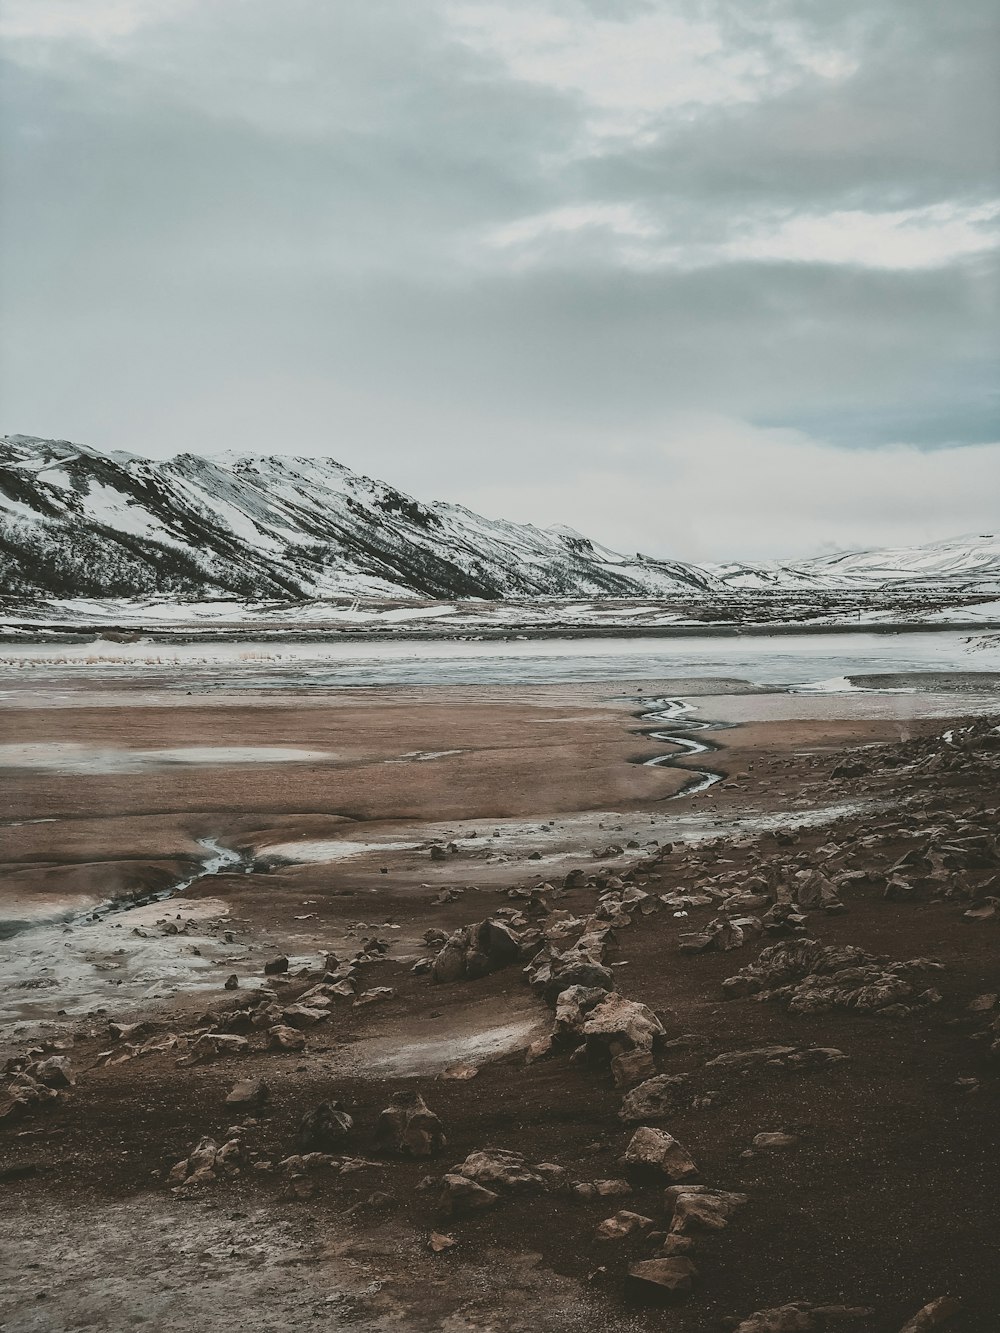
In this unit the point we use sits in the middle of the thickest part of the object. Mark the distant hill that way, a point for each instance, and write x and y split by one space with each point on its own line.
77 522
961 564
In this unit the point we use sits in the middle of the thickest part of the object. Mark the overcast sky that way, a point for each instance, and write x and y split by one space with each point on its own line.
700 278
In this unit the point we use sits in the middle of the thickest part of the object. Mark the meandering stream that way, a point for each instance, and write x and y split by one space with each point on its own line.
675 711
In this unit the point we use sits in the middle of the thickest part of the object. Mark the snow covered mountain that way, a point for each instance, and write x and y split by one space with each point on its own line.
78 522
962 564
75 522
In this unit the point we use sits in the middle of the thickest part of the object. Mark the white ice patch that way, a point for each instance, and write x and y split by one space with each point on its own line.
835 685
75 757
432 1056
321 851
843 685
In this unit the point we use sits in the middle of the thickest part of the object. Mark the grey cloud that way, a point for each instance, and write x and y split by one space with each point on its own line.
915 124
263 230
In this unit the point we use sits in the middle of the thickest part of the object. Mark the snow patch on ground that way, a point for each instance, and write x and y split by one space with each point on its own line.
76 757
322 851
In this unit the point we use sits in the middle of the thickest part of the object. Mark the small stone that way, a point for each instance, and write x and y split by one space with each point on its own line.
776 1139
700 1207
249 1094
654 1149
325 1129
409 1127
622 1225
283 1038
672 1275
374 995
460 1073
439 1242
935 1314
631 1067
232 982
54 1072
276 965
461 1195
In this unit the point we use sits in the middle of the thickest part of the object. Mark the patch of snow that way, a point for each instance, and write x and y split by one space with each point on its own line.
77 757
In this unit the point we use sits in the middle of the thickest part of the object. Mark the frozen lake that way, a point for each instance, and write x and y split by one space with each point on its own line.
823 660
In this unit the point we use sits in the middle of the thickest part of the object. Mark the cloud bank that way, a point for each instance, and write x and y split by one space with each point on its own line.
704 279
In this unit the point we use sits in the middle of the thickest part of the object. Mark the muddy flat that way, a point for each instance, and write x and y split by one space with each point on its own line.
217 860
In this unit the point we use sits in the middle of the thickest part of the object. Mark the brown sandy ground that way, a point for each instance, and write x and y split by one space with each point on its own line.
888 1200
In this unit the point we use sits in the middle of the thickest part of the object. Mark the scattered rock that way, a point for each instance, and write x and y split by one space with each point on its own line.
283 1038
776 1139
250 1094
211 1044
461 1195
617 1025
655 1099
325 1129
655 1150
631 1067
670 1276
935 1314
409 1127
499 1169
374 995
799 1317
622 1225
55 1072
701 1207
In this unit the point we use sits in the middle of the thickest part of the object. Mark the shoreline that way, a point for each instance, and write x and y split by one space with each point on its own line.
104 632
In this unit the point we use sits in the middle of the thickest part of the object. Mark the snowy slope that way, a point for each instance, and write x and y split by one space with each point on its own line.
970 563
76 522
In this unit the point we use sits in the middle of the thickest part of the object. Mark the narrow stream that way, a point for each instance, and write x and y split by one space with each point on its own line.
219 859
675 711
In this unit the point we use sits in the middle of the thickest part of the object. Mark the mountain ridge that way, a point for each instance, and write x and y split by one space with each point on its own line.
76 521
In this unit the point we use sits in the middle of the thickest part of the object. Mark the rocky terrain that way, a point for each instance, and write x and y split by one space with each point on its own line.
757 1088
